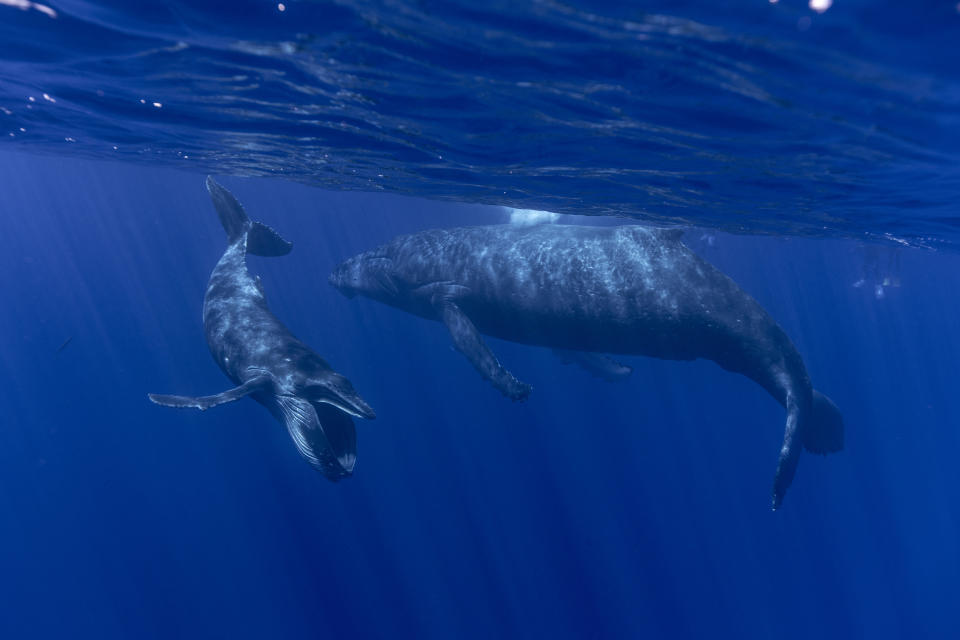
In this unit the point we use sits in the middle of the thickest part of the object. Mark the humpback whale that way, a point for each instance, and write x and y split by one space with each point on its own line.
260 355
595 290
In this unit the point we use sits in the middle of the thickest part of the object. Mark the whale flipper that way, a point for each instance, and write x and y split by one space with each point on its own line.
597 364
205 402
329 443
467 340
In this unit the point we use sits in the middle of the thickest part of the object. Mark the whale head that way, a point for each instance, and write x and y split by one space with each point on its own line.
371 274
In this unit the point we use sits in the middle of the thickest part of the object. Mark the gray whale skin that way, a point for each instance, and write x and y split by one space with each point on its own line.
589 291
264 359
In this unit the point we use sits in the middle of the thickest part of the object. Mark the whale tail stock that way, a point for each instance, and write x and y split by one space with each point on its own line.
821 432
261 239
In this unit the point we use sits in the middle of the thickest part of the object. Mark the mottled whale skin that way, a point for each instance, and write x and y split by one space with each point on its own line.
260 355
594 290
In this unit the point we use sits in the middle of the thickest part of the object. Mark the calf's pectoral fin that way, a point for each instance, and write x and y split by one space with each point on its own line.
205 402
467 340
327 442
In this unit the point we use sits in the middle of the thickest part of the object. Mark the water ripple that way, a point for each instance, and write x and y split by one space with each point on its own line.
750 116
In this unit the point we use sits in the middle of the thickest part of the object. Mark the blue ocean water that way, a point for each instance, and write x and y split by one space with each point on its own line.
744 115
593 510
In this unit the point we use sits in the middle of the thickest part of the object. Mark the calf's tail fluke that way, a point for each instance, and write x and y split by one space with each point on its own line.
261 239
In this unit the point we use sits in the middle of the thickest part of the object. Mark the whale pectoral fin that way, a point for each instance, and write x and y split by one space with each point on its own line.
468 342
205 402
327 441
598 364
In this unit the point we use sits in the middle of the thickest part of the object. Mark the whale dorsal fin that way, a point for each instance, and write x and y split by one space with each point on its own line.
205 402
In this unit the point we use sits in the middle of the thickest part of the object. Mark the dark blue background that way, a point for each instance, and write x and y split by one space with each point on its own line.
594 510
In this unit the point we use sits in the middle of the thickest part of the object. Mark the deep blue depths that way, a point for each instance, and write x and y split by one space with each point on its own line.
594 510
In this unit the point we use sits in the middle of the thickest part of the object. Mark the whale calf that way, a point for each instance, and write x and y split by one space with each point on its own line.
260 355
624 290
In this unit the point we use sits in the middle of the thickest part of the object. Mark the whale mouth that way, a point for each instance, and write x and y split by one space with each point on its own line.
332 389
323 434
337 280
340 433
354 406
344 289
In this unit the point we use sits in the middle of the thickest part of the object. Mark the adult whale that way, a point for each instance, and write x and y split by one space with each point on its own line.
627 290
264 359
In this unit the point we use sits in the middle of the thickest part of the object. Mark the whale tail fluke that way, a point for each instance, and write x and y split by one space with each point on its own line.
821 432
824 433
261 239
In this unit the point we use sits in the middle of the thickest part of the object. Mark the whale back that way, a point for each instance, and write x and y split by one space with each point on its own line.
520 262
558 284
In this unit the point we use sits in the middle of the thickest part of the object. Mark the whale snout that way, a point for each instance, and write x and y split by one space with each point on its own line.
345 279
335 390
353 405
361 409
372 274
